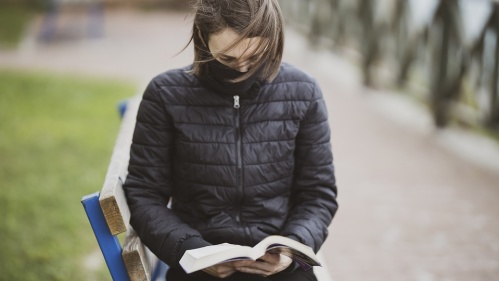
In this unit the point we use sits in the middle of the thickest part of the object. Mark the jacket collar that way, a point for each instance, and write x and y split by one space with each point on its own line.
251 94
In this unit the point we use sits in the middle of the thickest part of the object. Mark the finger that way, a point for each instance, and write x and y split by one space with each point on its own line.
271 258
242 263
259 267
220 270
265 268
252 270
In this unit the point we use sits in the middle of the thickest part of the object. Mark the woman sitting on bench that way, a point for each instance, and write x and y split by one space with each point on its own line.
240 144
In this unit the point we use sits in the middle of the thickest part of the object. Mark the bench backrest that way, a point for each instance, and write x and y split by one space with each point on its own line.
109 215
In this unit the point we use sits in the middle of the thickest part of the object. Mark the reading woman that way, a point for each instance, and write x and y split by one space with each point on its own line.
239 142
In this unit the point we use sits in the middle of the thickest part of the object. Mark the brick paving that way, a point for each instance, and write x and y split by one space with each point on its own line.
411 209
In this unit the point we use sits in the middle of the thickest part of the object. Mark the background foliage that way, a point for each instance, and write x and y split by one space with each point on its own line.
56 138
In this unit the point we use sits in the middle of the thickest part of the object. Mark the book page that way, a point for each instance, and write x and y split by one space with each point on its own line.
212 250
295 254
200 258
302 254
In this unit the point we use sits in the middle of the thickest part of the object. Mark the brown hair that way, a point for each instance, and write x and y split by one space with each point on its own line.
248 18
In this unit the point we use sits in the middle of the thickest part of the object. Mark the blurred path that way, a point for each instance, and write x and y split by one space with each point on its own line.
415 204
135 46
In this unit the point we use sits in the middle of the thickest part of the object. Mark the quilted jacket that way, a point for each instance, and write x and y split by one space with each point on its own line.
236 168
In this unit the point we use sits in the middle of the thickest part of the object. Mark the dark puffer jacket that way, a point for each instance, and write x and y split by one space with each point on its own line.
234 174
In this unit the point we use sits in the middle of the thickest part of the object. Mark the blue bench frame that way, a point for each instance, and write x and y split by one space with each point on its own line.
110 245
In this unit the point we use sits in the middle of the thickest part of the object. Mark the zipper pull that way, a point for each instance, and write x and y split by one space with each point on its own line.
236 102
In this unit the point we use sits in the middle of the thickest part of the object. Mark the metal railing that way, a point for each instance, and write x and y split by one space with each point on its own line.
450 47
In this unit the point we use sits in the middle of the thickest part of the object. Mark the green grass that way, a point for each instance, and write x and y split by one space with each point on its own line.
14 20
56 139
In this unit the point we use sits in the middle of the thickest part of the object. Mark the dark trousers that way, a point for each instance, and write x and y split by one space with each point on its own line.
298 275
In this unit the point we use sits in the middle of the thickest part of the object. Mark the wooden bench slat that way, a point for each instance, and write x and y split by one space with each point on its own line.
138 259
112 197
109 244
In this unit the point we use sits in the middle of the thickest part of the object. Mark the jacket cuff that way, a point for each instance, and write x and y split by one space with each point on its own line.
189 244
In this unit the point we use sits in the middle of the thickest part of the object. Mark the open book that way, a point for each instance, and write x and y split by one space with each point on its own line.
197 259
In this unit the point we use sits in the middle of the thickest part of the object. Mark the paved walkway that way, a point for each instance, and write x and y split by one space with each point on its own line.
415 204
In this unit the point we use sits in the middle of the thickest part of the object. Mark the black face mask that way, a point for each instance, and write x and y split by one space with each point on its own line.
217 76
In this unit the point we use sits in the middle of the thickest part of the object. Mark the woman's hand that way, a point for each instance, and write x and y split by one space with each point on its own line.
221 270
266 265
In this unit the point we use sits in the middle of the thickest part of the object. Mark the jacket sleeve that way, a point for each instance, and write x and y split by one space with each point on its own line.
313 196
148 186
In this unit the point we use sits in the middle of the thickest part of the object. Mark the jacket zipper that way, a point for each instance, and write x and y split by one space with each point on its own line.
239 184
236 102
239 162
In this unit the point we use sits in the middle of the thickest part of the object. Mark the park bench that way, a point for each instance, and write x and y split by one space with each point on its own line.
109 215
